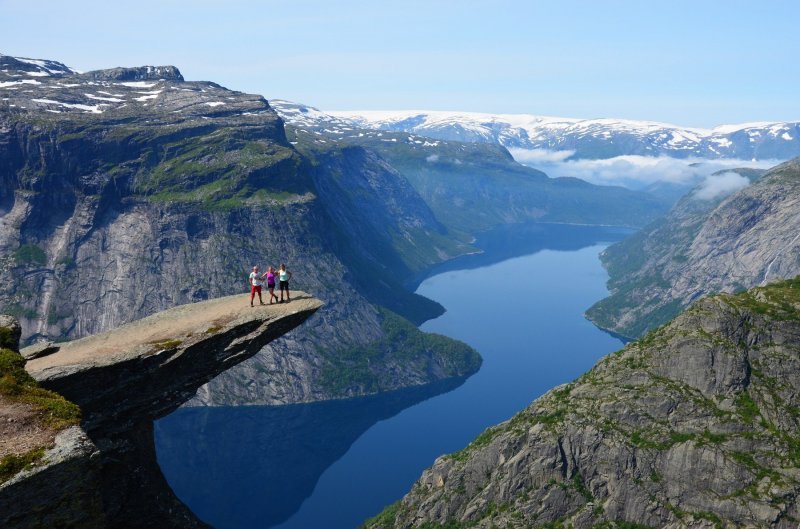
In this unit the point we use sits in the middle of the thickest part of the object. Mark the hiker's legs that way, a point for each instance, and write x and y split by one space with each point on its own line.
252 294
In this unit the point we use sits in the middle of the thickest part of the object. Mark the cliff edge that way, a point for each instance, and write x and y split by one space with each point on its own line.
104 472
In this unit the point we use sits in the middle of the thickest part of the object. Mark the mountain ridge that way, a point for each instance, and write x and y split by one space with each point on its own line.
473 187
726 244
591 138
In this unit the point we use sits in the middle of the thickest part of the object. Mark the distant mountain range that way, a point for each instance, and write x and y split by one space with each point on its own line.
473 186
580 138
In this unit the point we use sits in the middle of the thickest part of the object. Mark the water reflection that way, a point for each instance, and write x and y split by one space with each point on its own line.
514 240
253 466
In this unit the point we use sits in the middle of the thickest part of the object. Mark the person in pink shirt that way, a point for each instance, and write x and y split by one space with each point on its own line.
270 275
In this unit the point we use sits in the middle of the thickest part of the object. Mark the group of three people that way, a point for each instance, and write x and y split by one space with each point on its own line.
257 280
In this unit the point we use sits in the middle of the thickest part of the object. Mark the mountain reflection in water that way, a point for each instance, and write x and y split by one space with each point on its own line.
253 466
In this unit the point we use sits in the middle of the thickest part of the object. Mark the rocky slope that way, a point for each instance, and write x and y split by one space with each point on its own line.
696 425
721 244
473 187
130 190
589 138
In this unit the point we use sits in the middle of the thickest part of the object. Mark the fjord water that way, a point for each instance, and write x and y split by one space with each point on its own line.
331 465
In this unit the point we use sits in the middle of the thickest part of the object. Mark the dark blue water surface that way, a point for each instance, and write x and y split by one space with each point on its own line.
331 465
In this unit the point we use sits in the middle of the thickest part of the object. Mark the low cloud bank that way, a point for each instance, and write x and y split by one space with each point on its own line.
720 185
539 156
634 172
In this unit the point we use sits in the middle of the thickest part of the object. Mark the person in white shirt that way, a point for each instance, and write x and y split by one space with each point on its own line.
255 285
284 276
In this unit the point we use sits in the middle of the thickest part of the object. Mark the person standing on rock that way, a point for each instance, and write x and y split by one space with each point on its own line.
270 275
284 276
255 286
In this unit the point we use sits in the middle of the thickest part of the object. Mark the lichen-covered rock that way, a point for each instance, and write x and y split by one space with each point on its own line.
695 425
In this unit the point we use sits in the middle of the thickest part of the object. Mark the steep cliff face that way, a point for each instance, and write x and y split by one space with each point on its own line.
696 425
127 191
722 244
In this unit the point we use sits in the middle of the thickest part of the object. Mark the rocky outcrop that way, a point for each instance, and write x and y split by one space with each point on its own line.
147 368
705 245
105 473
696 425
49 475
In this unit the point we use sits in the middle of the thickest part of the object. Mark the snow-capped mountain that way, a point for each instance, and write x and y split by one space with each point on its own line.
589 138
326 127
49 87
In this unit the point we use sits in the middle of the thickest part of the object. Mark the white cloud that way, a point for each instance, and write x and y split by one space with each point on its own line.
633 171
534 156
433 158
720 185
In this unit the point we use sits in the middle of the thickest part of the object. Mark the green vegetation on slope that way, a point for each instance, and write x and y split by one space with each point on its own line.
643 267
30 254
221 170
473 187
16 385
352 371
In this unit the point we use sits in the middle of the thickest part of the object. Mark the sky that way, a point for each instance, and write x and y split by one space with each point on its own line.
693 63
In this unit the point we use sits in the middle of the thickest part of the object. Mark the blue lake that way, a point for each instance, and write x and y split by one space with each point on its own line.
331 465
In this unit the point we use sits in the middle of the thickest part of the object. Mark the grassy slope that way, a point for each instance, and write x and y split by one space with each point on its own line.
53 411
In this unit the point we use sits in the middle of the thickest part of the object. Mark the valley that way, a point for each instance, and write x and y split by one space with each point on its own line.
509 302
